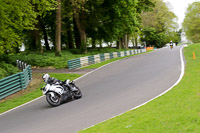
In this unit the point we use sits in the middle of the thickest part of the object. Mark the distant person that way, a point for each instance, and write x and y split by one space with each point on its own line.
171 44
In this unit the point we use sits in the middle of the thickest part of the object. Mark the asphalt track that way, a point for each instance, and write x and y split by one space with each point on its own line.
107 92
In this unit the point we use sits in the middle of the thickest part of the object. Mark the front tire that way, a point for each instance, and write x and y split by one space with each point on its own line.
53 101
77 94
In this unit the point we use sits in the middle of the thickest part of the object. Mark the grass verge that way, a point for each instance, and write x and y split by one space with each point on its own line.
176 111
32 92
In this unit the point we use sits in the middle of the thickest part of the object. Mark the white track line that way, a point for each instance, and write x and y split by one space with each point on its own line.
180 77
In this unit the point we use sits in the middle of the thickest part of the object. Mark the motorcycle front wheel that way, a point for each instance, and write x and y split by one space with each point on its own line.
77 94
53 101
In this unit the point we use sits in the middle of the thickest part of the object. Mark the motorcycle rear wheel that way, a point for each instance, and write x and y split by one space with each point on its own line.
53 101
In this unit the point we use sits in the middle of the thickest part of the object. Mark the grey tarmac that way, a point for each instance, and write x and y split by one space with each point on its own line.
107 92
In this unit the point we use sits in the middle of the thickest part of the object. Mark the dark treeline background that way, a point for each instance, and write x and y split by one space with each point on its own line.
44 25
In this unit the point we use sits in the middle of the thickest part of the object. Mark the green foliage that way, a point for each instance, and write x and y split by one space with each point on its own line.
48 59
159 25
75 51
109 20
121 18
145 6
7 69
174 36
15 16
103 50
154 38
30 21
191 22
42 60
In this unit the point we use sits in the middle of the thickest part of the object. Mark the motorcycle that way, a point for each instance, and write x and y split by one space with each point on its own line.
171 46
60 92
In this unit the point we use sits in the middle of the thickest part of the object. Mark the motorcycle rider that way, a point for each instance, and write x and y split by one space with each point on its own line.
171 44
47 79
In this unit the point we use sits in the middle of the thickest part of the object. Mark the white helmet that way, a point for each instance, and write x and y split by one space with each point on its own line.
45 77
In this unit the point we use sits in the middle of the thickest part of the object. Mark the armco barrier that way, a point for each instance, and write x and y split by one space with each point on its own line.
88 60
16 82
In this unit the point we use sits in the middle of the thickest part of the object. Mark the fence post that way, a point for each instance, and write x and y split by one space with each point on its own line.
22 78
111 55
29 72
125 54
102 57
69 64
17 63
20 65
119 54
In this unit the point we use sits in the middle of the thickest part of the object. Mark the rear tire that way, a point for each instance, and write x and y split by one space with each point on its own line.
53 101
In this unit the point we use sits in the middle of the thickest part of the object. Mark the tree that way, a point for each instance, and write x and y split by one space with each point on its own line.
191 22
34 37
79 17
15 17
158 24
58 29
112 20
19 20
100 20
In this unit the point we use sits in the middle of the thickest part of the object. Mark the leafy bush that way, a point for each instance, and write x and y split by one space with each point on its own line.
75 51
48 59
2 73
7 69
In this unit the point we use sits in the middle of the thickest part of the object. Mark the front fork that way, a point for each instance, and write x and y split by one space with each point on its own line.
52 94
73 87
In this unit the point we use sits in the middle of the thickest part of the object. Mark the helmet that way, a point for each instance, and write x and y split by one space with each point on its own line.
45 77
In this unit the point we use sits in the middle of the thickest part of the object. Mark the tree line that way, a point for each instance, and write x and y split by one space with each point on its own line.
74 24
191 22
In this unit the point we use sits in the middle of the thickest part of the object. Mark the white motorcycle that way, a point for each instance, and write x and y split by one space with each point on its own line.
60 92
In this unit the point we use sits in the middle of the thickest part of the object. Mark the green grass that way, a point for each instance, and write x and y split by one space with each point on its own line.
35 93
177 111
63 77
